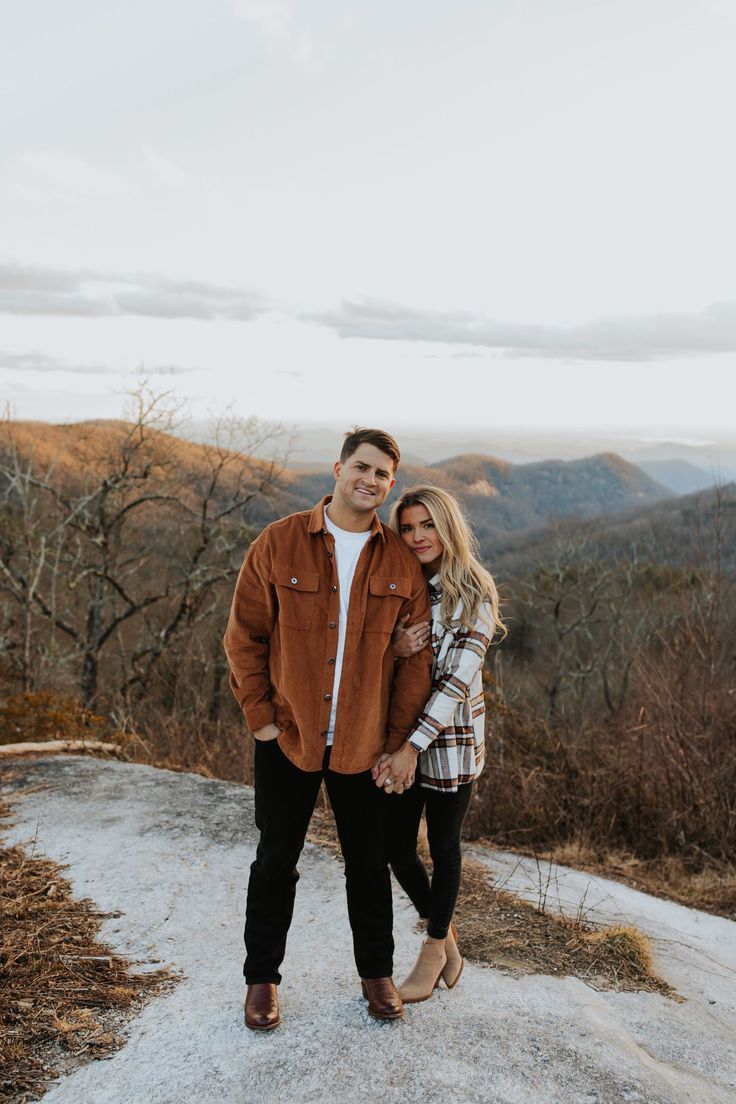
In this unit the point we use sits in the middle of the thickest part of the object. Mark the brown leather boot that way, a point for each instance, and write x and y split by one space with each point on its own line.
383 1001
425 977
453 968
262 1006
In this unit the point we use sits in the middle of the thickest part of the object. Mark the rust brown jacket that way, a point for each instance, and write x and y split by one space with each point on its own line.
281 643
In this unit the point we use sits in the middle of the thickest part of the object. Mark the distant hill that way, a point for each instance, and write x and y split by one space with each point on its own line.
320 444
679 475
671 532
500 497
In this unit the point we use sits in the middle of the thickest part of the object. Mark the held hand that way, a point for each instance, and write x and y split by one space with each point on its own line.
268 732
382 772
379 765
396 772
407 641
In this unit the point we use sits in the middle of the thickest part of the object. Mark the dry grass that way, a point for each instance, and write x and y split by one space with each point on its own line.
223 750
63 995
500 930
712 889
627 943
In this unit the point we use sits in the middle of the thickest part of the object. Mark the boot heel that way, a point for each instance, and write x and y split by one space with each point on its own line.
453 967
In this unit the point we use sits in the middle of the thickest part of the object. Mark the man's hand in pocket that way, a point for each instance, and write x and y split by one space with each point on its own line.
268 732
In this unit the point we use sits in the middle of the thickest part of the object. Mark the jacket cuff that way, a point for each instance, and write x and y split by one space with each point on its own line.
421 740
258 716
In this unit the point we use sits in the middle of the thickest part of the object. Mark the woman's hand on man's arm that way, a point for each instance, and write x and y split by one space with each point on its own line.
407 640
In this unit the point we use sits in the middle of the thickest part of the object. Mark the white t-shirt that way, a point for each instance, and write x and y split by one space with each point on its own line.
348 547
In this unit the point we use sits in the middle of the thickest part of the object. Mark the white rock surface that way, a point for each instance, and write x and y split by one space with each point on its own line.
171 853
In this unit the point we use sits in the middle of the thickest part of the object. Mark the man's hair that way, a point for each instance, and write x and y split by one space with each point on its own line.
356 437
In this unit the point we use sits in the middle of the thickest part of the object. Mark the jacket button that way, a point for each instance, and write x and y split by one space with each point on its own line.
333 625
331 662
324 733
328 697
294 580
329 554
391 586
334 588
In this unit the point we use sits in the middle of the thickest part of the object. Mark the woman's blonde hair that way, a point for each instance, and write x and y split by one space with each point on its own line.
463 577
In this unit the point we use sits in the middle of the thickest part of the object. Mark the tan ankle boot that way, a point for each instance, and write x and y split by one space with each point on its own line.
454 965
425 977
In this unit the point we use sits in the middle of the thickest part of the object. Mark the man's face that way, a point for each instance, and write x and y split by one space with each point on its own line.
365 479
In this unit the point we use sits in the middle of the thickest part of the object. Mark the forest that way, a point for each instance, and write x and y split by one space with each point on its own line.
611 703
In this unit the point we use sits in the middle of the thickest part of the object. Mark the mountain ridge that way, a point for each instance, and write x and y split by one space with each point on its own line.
500 497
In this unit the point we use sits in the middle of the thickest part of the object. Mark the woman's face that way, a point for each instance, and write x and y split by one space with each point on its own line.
417 530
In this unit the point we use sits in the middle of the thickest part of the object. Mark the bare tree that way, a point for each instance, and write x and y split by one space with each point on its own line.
587 623
123 540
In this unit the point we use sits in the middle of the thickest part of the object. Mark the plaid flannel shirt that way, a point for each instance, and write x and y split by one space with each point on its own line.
450 732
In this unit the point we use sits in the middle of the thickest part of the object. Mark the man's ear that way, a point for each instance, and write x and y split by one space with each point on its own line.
336 469
392 484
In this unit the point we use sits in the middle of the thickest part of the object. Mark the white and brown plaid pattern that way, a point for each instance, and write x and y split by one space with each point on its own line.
450 733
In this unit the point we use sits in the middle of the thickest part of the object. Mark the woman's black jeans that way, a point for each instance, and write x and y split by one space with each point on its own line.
435 900
284 800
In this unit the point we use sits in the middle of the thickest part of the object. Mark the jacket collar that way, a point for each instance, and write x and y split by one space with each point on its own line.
317 520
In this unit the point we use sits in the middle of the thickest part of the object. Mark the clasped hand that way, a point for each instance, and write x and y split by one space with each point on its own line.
395 772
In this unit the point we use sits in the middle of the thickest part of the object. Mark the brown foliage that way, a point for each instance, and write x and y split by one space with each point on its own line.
216 749
63 994
48 716
647 788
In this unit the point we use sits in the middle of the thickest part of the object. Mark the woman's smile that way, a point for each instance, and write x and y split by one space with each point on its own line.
418 532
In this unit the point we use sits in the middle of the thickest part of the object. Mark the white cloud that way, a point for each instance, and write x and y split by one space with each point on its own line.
28 361
30 289
633 338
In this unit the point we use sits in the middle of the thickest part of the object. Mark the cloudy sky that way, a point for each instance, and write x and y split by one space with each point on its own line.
424 212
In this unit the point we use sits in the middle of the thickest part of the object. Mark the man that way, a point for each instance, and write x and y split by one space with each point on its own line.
318 597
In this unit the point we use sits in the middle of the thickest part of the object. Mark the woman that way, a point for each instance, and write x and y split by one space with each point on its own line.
444 753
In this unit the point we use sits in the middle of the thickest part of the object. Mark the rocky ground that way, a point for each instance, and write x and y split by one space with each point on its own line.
169 853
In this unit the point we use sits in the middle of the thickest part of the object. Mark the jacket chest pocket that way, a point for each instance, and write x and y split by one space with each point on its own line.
385 597
297 595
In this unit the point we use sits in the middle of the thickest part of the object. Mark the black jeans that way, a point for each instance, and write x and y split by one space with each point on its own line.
284 799
433 900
